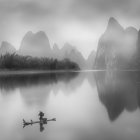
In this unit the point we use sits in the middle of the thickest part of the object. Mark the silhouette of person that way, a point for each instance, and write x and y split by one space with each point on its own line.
41 114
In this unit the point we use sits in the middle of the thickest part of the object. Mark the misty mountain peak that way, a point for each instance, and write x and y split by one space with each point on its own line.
112 20
4 43
114 24
131 30
67 46
55 46
41 34
28 34
35 44
6 48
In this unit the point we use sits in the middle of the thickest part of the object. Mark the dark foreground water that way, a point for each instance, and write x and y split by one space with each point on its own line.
87 106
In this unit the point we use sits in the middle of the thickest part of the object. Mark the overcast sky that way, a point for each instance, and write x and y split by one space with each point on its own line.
79 22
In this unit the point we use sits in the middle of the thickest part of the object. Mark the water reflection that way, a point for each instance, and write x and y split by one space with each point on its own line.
118 91
10 82
87 105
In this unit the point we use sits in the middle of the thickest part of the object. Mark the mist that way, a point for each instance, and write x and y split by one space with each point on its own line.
80 23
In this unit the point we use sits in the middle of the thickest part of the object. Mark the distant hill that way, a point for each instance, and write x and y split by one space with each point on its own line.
35 44
117 47
70 52
56 52
6 48
91 60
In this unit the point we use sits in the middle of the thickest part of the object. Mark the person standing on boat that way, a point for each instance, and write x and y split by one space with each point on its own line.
41 114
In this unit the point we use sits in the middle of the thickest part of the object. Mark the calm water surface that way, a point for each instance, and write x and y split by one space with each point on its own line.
87 106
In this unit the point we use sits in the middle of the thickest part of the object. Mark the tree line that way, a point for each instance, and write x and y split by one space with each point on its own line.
19 62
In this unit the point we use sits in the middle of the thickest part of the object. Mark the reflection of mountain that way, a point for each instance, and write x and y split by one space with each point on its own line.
118 91
9 82
117 47
40 92
37 88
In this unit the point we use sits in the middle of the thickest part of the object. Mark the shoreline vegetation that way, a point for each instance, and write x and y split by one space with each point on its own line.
23 64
